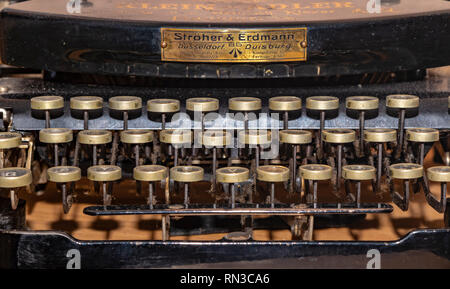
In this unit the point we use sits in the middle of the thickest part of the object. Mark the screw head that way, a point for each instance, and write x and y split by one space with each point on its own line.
303 44
163 44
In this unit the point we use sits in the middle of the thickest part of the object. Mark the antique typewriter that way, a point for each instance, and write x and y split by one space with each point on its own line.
225 134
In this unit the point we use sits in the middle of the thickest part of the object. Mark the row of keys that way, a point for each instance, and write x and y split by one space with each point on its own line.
205 104
12 178
218 138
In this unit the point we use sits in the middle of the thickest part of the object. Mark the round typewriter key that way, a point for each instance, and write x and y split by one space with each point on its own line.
356 174
285 104
56 136
86 105
164 107
401 102
406 172
94 137
47 103
361 104
316 172
86 102
150 174
186 175
420 136
215 139
177 139
440 174
379 136
322 105
312 174
282 103
232 175
203 104
125 105
245 105
272 174
9 140
105 174
64 175
339 137
125 102
13 178
136 138
296 138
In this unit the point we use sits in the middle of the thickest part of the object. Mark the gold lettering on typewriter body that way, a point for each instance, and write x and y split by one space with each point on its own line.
231 45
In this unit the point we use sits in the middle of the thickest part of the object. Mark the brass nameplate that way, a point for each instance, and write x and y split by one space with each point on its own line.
233 45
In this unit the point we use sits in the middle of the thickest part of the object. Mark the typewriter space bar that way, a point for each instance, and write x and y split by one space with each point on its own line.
247 209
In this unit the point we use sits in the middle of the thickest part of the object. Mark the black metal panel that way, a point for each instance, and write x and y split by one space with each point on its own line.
240 209
419 249
91 43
